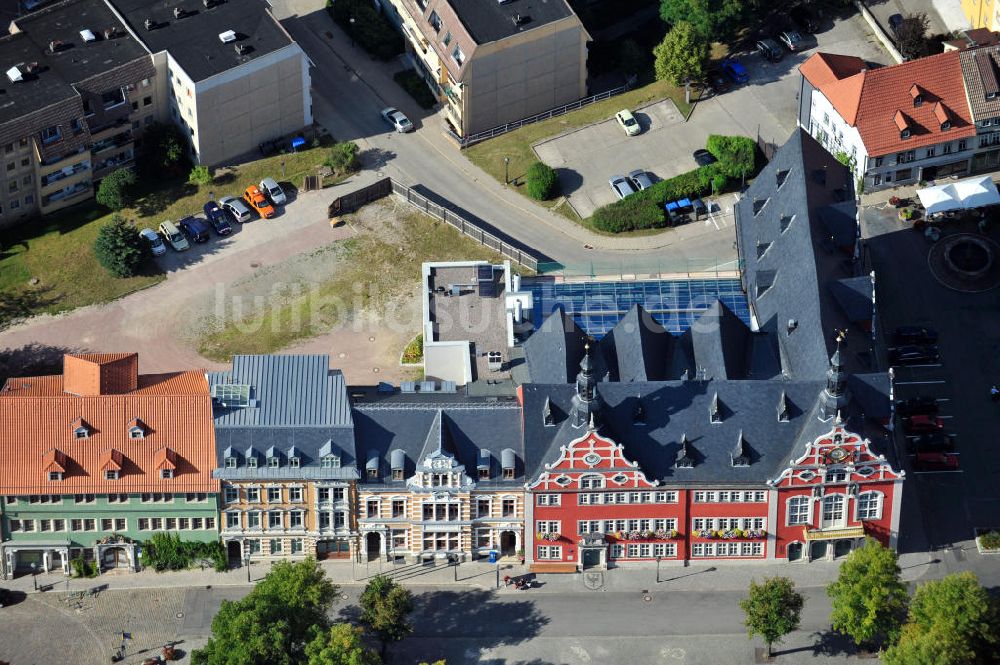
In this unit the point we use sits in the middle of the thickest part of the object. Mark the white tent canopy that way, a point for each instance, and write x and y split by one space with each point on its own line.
961 195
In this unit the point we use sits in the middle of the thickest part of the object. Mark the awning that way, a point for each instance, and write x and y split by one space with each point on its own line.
961 195
833 534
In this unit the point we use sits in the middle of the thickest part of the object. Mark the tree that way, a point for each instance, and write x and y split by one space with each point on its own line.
952 621
273 624
869 599
911 36
772 609
541 181
632 59
119 248
113 192
681 55
162 148
343 158
713 20
385 606
342 644
201 175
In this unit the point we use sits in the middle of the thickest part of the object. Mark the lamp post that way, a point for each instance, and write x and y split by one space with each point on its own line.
34 573
246 561
352 31
506 171
658 569
453 560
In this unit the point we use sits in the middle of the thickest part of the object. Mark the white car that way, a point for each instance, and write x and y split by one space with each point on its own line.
628 122
273 191
396 118
156 245
621 186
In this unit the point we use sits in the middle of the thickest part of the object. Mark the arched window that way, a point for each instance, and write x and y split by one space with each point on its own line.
870 506
592 482
798 510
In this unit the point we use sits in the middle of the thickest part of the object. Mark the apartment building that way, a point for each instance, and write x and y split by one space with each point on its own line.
982 13
899 124
980 76
490 63
285 457
98 459
78 89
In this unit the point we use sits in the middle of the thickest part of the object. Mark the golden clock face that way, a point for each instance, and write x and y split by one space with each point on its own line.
837 454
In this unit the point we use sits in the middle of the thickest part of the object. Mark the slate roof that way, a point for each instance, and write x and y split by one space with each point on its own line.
193 40
309 443
638 348
554 350
463 428
490 21
38 90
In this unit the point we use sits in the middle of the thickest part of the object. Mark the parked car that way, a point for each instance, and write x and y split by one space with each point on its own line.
917 406
396 118
922 423
4 597
703 157
915 335
806 18
218 218
628 122
640 180
173 236
195 229
621 186
717 80
153 241
932 442
792 40
236 208
273 191
32 5
936 462
913 354
895 21
735 71
257 201
769 49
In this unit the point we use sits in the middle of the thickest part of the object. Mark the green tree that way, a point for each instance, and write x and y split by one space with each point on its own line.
772 609
681 55
713 20
911 36
343 158
869 598
201 175
342 644
162 148
632 58
115 189
385 607
952 621
274 622
541 181
119 248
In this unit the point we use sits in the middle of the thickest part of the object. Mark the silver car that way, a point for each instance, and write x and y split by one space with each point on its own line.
154 242
396 118
621 186
236 208
273 191
640 179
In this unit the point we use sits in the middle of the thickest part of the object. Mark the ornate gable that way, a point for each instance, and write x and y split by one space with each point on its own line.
592 462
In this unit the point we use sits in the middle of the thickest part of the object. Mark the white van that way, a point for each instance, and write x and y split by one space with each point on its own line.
173 236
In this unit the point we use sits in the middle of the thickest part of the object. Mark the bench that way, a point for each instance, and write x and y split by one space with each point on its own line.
553 567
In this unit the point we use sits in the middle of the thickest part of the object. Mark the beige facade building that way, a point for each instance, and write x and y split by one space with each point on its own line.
492 63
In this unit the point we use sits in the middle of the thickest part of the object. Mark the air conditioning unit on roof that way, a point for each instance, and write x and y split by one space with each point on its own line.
227 36
14 74
88 36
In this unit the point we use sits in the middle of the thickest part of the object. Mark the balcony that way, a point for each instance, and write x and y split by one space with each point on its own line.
104 166
113 141
64 173
66 196
55 159
108 128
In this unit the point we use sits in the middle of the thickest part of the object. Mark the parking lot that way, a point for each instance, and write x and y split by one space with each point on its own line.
585 159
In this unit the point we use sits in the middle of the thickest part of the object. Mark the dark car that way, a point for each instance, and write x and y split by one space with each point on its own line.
805 18
735 71
917 406
895 21
4 597
218 218
915 335
936 462
770 50
195 229
922 423
703 157
913 355
718 81
932 442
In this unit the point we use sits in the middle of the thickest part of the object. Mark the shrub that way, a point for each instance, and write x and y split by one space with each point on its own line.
163 147
718 183
119 248
414 351
83 568
541 181
410 81
113 192
990 541
644 209
168 552
343 158
201 175
370 29
735 154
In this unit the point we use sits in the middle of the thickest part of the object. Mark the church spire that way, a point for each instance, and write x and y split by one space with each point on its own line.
835 396
585 402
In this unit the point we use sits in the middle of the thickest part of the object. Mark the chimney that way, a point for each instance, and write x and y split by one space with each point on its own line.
149 24
100 373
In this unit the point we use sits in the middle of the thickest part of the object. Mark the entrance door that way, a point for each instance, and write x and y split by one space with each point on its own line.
507 543
591 558
841 548
115 557
373 545
234 553
818 550
795 551
332 549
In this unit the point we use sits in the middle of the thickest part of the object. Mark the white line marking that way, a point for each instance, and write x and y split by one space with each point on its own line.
918 383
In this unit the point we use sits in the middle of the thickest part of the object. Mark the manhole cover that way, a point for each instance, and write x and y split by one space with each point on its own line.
254 265
372 338
180 615
375 369
647 598
343 596
342 355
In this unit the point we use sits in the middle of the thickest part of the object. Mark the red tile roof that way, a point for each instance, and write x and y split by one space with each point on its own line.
100 373
873 100
36 434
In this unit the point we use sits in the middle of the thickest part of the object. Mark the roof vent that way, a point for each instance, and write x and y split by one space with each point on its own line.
88 36
110 33
55 46
227 36
240 49
14 74
179 13
150 24
792 325
208 3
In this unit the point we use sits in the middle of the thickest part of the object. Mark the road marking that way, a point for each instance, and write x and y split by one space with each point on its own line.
945 417
952 471
917 383
943 399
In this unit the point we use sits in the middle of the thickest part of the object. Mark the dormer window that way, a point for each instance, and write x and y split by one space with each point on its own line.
373 473
507 460
330 462
905 134
293 462
272 462
715 410
508 473
917 94
81 432
230 462
397 474
252 462
111 474
484 474
946 125
992 94
55 476
918 100
136 432
166 474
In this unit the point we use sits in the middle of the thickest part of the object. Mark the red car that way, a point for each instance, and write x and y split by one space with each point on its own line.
936 462
922 423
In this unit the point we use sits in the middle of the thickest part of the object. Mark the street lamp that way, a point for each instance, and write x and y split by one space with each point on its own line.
506 171
246 561
658 569
352 31
34 572
453 560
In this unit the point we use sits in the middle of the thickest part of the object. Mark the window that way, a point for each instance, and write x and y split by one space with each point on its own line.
588 526
83 498
113 98
330 462
232 494
458 55
665 497
272 462
14 205
550 552
296 545
293 462
295 519
878 161
435 21
931 152
275 545
253 546
59 525
274 495
230 462
869 506
11 166
550 499
591 482
51 134
253 520
947 148
508 473
195 497
484 539
877 180
371 508
148 120
111 474
483 507
373 473
183 523
836 476
89 524
166 474
440 542
399 508
447 38
232 520
547 526
55 475
508 508
170 523
274 519
324 520
295 494
252 462
397 474
209 522
156 523
798 510
833 510
143 524
146 101
962 145
253 495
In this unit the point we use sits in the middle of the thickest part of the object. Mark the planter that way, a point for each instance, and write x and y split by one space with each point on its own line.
992 537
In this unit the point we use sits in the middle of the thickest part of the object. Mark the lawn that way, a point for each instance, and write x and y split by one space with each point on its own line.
57 251
383 258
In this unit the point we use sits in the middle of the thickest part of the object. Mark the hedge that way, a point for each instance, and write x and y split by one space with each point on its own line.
541 181
644 209
735 154
370 29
